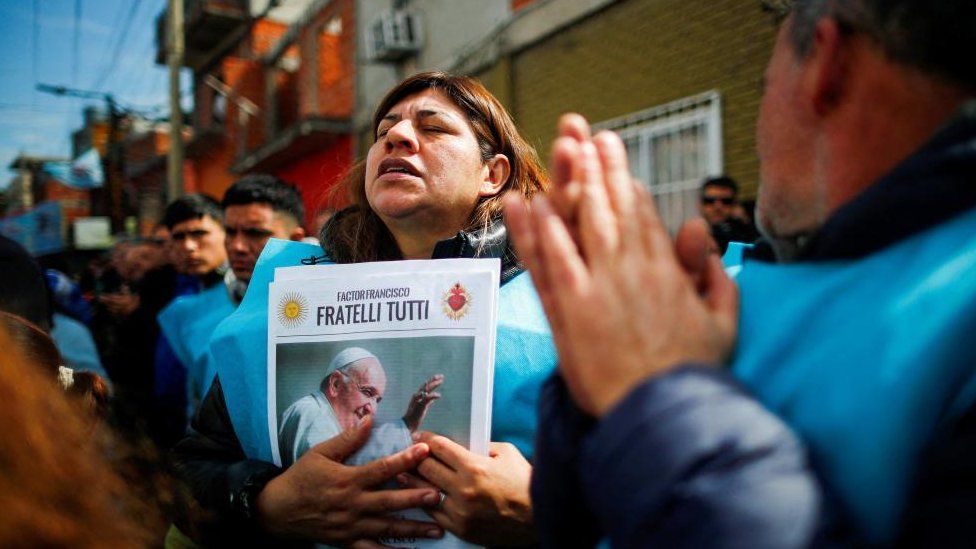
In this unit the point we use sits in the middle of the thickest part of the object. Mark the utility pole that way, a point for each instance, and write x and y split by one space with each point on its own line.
112 162
174 171
114 166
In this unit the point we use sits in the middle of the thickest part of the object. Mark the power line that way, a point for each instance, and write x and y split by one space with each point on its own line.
35 44
133 8
145 55
77 48
141 84
107 52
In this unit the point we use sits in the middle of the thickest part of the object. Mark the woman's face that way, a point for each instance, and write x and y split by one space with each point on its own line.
425 168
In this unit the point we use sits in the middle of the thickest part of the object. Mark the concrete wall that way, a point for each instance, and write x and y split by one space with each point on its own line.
633 54
602 58
449 28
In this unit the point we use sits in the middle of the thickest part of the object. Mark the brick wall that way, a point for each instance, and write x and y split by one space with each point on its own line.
144 147
264 36
75 203
99 137
244 74
637 54
246 78
203 99
210 171
519 4
287 101
316 173
328 49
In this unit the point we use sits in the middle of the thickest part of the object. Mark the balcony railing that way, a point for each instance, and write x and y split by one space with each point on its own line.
207 26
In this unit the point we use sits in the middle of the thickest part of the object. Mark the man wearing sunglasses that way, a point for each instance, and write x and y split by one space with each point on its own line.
350 391
717 204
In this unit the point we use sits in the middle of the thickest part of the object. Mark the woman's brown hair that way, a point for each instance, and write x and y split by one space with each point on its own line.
33 343
57 486
39 349
357 234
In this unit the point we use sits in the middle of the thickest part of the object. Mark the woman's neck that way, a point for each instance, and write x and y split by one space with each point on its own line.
417 238
418 244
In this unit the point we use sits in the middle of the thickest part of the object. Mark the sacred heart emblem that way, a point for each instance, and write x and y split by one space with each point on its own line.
456 302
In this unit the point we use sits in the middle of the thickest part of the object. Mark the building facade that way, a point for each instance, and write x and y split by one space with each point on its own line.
292 92
678 79
273 92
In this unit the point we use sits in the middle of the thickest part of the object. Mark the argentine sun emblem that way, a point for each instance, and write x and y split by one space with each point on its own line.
456 302
292 310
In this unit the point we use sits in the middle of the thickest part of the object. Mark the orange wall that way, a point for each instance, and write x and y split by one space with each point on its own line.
519 4
265 34
333 71
246 78
75 203
316 173
212 172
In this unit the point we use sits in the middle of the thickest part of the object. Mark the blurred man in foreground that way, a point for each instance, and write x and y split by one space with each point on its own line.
867 142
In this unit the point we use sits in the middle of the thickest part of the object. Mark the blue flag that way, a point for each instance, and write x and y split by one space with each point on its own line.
39 230
84 172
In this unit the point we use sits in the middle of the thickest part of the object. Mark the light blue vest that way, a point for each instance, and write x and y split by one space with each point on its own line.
866 359
187 324
524 356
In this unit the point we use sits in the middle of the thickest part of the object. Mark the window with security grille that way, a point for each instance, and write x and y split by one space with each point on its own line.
671 149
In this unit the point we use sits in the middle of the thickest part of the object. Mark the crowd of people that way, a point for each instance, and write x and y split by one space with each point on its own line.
642 396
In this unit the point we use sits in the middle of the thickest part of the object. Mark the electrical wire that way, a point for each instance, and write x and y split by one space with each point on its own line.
77 48
36 45
145 55
137 81
117 51
116 25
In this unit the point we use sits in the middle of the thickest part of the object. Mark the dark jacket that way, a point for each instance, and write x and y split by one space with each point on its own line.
213 464
931 187
688 459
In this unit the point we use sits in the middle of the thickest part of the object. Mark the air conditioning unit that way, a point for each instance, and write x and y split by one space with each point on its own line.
394 35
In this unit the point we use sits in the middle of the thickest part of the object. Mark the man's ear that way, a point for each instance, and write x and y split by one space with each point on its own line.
297 234
332 385
497 170
827 67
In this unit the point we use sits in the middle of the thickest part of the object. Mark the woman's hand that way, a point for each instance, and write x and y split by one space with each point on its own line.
486 498
321 499
421 401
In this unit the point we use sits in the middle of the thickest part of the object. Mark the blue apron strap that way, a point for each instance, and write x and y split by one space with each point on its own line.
733 254
239 348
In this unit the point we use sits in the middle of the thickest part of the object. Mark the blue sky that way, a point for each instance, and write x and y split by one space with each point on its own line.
110 48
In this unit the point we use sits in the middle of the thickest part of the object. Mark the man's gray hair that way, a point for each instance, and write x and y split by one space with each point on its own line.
342 361
934 36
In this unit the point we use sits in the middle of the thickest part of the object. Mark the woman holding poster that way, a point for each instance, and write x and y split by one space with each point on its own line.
445 153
